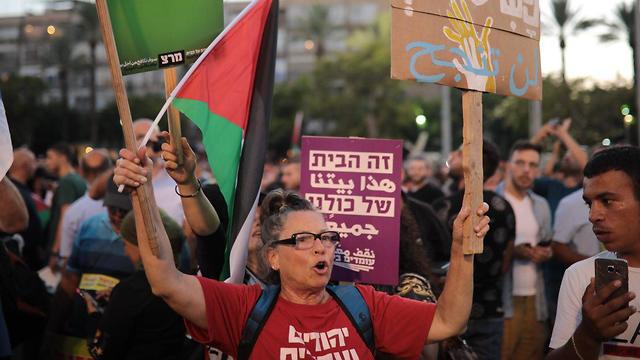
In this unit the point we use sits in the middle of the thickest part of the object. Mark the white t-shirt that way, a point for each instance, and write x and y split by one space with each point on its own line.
569 313
572 226
524 271
166 197
79 211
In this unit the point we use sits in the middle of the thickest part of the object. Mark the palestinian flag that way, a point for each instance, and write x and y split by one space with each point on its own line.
6 149
228 93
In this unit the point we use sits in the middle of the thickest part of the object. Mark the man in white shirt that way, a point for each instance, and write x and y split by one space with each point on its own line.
588 326
573 237
524 301
92 166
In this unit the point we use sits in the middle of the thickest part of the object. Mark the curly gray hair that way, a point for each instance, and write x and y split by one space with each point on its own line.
273 214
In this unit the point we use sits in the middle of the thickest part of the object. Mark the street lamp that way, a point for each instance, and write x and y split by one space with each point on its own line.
309 45
51 30
628 120
421 120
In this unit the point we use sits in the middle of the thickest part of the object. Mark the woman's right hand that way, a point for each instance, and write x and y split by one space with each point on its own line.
132 170
181 174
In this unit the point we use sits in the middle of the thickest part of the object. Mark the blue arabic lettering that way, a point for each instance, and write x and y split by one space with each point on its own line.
428 49
520 91
432 49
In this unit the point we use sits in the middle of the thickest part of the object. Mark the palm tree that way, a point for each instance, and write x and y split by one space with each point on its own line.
567 23
622 28
316 28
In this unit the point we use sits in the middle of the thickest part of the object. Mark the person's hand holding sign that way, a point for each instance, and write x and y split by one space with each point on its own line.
474 50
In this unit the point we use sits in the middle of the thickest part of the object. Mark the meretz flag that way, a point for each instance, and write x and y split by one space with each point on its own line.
228 94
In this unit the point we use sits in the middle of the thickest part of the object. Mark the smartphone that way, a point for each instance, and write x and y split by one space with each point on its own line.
608 270
554 122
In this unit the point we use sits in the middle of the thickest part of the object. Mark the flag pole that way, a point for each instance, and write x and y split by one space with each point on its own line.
141 207
173 115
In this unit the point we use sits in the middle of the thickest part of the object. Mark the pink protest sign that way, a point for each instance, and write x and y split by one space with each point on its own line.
356 184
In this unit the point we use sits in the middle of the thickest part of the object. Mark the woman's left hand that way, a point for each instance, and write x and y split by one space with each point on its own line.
480 229
181 174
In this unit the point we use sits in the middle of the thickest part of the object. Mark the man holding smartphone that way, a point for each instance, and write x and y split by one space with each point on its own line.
524 301
593 324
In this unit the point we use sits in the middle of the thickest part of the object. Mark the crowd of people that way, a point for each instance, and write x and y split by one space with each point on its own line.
79 273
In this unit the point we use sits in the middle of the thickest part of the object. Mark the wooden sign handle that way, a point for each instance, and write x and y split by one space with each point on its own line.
122 102
170 81
472 166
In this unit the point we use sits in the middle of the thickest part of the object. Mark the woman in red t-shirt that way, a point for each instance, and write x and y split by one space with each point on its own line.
306 321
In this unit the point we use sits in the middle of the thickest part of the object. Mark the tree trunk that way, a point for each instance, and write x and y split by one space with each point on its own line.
63 77
562 54
372 126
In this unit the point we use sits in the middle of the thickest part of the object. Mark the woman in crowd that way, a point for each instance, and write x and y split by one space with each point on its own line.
306 321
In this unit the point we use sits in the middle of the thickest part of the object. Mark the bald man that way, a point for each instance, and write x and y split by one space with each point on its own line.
20 172
163 184
92 166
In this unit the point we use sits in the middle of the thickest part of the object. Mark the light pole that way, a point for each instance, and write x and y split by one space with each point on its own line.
445 121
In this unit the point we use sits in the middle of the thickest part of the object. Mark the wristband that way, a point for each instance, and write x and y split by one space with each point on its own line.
190 195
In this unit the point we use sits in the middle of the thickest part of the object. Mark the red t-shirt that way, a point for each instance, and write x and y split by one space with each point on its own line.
322 332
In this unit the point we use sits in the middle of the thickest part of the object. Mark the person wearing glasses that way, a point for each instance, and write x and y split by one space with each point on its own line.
306 321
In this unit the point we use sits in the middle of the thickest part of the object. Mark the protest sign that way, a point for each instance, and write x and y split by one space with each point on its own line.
356 184
154 34
475 45
489 46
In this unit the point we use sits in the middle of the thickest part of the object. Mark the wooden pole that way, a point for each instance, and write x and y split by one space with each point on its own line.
472 166
122 102
170 81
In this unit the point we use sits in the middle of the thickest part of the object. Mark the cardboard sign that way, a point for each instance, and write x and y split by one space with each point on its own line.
356 184
489 46
154 34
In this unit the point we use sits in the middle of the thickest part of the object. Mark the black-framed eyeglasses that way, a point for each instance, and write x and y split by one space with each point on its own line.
305 240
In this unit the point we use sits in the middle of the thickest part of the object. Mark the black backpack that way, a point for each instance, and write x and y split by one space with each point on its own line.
348 297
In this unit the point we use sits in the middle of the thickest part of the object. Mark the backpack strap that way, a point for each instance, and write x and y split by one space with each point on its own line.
256 320
352 303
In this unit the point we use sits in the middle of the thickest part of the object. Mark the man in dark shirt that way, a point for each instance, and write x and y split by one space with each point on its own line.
419 171
484 331
137 324
71 186
21 171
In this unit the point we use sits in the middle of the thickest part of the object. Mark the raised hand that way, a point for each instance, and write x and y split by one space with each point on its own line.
480 229
132 170
182 174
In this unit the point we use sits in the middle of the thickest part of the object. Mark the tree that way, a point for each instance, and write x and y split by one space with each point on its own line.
353 93
316 28
622 27
567 23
